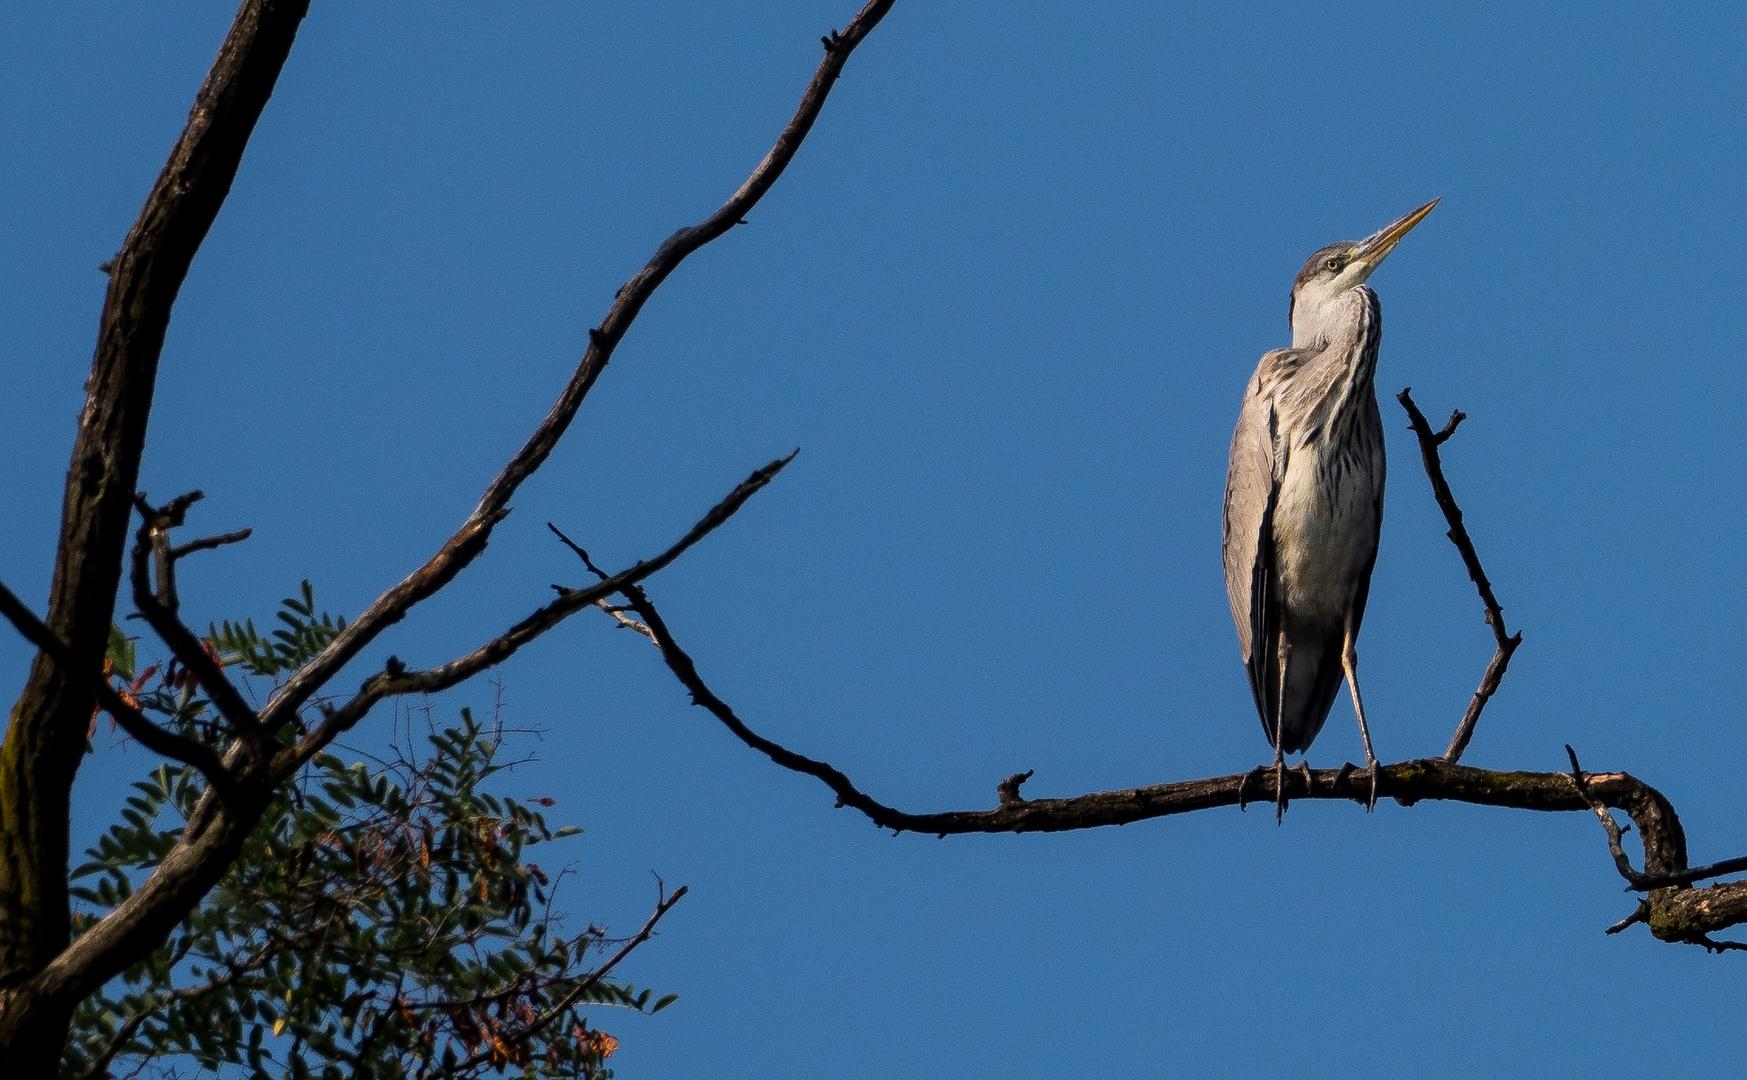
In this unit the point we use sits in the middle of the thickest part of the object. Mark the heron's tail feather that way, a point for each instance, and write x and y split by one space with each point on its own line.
1313 678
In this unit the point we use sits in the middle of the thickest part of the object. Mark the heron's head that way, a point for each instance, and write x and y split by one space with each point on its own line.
1338 269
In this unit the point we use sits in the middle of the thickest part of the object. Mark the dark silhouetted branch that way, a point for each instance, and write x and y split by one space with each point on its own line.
398 680
1429 441
132 721
1687 877
1638 915
207 543
1615 834
45 738
617 611
1635 881
1674 913
468 541
159 606
41 974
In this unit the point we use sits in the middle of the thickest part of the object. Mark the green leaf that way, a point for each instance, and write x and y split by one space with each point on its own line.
121 652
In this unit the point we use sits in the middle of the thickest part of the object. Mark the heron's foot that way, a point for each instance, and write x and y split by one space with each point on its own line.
1347 769
1309 779
1243 786
1374 768
1280 791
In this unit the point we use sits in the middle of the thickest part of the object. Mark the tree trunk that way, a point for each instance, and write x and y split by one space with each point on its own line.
45 738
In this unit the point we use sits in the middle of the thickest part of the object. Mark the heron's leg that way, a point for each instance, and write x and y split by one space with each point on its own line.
1350 662
1280 734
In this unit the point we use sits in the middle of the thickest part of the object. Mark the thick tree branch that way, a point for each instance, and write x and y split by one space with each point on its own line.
1634 880
468 541
45 738
216 833
1429 441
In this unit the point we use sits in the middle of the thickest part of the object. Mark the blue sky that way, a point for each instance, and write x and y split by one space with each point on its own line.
1005 301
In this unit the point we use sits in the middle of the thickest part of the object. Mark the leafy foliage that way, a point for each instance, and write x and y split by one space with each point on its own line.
288 648
381 921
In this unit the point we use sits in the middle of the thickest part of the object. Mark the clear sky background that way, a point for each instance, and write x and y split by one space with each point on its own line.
1005 300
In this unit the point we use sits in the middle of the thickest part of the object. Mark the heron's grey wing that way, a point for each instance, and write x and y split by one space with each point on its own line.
1251 488
1363 592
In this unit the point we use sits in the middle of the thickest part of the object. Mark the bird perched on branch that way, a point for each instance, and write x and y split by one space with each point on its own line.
1304 499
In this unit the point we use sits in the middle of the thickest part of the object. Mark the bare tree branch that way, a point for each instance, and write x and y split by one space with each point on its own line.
397 680
1674 912
45 737
1635 881
1429 441
468 541
1687 877
132 721
159 607
215 834
1614 833
207 543
1638 915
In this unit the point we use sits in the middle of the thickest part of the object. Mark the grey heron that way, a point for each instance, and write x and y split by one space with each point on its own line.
1304 499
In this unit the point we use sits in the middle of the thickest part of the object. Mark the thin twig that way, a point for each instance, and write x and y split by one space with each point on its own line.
583 985
1639 914
625 621
1697 873
616 611
1635 881
207 543
1622 862
1429 441
580 553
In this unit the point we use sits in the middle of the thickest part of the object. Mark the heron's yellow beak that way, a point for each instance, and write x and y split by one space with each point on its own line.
1375 248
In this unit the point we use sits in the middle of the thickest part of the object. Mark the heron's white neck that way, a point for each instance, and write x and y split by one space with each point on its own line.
1329 313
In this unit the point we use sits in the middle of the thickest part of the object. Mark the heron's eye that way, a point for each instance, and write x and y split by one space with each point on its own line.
1333 264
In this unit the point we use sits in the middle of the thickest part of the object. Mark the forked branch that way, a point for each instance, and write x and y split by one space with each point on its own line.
398 680
158 604
470 539
144 279
1429 441
132 721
